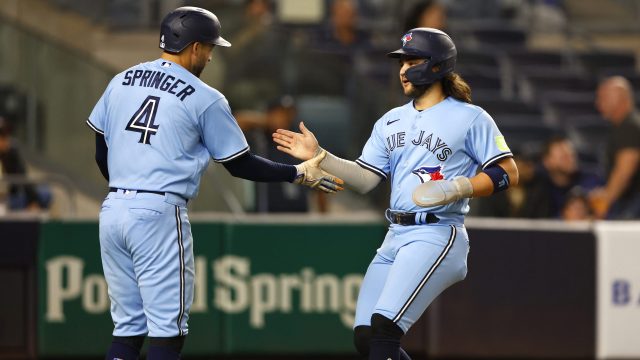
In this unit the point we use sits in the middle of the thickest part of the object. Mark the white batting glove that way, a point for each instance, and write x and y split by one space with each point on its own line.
441 192
310 174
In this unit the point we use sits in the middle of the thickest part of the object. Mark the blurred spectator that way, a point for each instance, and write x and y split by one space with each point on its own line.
327 59
555 176
620 197
577 207
337 61
20 196
427 13
341 33
258 46
258 126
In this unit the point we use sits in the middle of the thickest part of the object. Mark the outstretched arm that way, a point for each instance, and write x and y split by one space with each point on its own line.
355 176
256 168
304 145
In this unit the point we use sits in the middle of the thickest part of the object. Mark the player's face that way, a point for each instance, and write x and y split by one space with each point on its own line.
576 208
408 88
202 55
561 158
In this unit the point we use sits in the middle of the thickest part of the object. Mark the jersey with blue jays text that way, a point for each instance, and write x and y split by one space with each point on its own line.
162 125
449 139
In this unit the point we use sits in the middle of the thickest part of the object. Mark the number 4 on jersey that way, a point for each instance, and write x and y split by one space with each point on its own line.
143 120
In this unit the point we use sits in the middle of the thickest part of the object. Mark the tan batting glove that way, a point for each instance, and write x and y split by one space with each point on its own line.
310 174
442 192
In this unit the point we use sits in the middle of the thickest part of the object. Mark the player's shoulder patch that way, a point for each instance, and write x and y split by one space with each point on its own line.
501 143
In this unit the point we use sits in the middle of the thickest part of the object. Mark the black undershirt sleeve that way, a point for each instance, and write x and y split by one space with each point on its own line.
256 168
101 155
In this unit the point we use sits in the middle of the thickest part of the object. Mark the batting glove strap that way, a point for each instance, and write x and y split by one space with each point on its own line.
442 192
310 174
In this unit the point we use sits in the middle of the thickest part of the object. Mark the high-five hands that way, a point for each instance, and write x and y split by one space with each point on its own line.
304 146
310 174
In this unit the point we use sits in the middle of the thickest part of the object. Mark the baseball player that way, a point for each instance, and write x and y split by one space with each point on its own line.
157 125
430 150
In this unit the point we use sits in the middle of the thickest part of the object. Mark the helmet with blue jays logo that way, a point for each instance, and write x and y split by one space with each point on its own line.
431 44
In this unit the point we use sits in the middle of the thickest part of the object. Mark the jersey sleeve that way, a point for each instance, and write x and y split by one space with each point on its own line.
220 132
375 155
485 143
98 117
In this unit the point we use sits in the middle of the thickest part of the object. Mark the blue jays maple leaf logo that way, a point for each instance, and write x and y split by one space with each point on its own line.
429 173
406 38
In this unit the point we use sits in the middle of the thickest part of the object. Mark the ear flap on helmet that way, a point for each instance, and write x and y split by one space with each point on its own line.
419 74
423 74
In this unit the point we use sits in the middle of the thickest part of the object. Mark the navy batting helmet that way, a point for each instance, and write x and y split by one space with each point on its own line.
188 24
431 44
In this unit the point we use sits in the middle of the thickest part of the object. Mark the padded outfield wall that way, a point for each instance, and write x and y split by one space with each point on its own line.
272 288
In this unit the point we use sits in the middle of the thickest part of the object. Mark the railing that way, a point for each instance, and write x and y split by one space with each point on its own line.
229 197
50 179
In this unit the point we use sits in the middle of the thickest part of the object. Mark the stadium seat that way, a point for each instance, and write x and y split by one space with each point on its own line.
505 106
594 62
502 38
590 137
533 82
481 69
527 137
630 74
509 121
476 59
320 72
581 120
482 80
559 105
521 58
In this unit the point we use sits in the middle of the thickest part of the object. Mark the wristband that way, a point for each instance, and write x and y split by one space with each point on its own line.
499 178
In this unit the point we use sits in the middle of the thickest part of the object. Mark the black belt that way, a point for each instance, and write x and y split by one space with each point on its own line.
138 191
410 218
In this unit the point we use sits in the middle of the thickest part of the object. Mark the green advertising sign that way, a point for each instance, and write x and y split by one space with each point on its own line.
294 287
72 294
260 288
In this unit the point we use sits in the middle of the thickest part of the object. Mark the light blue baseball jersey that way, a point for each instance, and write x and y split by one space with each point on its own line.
162 125
449 139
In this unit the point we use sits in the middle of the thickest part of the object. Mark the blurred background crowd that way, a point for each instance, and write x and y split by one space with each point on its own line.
558 77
